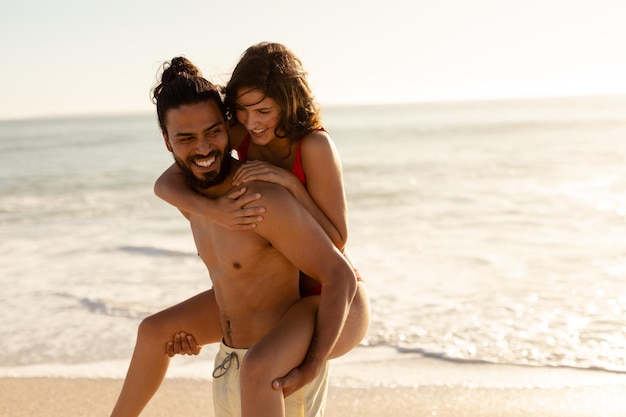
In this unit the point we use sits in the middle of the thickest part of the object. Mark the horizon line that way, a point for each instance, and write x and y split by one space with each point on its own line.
323 105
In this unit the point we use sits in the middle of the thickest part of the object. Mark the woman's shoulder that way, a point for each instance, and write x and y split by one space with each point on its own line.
320 134
316 142
319 138
319 155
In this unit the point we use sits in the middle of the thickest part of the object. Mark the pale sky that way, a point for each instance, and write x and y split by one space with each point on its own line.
66 57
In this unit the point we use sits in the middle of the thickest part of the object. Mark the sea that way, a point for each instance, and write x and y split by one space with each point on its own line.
487 232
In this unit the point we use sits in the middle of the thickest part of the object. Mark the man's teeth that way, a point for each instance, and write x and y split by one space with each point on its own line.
205 162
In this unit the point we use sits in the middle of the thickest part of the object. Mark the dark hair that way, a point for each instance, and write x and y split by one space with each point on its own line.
276 71
181 84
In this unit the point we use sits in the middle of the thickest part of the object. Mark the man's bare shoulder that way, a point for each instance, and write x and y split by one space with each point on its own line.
280 206
270 192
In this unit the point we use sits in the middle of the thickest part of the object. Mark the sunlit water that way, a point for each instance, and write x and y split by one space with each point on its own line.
489 231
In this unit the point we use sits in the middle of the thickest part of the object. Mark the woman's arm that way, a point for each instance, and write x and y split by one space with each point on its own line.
324 199
294 233
227 211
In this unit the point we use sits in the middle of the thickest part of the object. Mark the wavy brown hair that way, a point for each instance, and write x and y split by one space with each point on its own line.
276 71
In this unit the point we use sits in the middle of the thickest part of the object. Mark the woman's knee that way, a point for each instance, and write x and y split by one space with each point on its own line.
152 329
255 371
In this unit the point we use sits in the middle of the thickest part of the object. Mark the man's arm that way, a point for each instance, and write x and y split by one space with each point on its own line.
228 211
294 232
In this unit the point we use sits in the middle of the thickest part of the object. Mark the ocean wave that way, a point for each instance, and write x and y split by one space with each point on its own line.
153 251
443 355
108 308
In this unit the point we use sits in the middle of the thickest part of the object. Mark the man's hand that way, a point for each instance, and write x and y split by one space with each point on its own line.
183 344
294 380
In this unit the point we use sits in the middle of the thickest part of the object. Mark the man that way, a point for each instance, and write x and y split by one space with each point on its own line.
255 273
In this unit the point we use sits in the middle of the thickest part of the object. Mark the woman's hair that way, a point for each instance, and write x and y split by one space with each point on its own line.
277 72
181 84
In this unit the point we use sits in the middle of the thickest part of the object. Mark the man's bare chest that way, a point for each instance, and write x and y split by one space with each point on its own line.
227 250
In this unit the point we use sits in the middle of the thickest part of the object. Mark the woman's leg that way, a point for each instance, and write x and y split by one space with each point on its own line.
285 347
277 353
198 316
357 323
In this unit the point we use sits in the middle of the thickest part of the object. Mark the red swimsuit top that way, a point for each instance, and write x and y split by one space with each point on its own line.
242 152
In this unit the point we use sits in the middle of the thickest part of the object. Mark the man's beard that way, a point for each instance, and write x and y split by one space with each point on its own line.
210 179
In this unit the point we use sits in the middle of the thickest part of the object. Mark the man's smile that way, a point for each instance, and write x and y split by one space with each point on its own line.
205 162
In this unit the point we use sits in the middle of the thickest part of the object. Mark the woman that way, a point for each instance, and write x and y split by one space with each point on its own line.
276 126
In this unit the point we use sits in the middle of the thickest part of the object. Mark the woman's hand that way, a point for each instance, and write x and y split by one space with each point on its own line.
231 211
264 171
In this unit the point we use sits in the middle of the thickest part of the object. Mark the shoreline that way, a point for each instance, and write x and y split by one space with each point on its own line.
370 383
384 367
363 367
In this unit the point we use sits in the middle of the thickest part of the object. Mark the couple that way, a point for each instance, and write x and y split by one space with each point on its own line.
268 264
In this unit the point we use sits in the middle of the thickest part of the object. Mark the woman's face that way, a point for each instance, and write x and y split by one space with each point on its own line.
258 113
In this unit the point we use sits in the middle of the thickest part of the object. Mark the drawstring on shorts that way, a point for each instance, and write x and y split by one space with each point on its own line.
223 367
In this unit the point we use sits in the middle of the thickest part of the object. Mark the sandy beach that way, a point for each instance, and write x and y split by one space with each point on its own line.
368 384
29 397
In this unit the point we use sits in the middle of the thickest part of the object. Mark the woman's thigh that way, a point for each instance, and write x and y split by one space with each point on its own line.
198 316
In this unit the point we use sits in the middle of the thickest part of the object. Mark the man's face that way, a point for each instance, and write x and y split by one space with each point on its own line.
197 136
